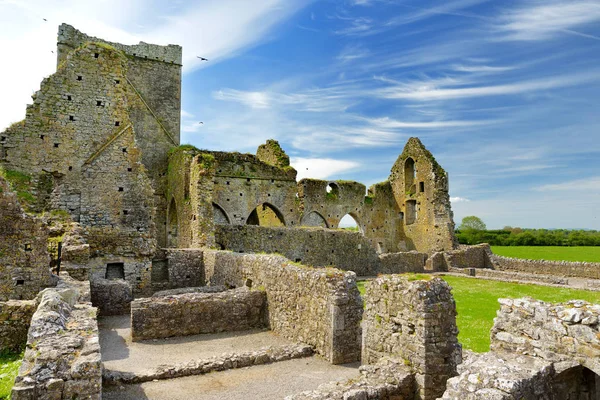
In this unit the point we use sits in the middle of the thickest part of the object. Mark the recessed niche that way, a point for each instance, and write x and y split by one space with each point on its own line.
115 271
124 149
69 97
79 77
28 247
56 145
70 168
421 187
71 118
99 103
125 212
129 169
42 137
117 123
20 282
96 55
120 189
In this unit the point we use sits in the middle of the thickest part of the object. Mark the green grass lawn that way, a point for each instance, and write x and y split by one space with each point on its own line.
9 366
477 303
560 253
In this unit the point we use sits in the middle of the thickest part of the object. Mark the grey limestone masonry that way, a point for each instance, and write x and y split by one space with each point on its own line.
318 247
24 257
555 332
413 321
111 296
15 316
317 306
194 313
538 351
62 358
556 268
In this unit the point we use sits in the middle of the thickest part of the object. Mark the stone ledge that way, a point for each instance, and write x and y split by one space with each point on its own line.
266 355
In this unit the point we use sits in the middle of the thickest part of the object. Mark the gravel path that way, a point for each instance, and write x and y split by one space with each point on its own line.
263 382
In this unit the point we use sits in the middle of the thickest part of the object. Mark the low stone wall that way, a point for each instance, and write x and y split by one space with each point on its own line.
413 321
318 247
544 267
555 332
201 289
195 313
111 296
477 256
510 276
266 355
62 359
318 306
386 380
15 316
400 263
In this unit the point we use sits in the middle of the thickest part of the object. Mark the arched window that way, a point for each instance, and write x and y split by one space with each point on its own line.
314 219
410 174
219 215
351 223
266 215
172 224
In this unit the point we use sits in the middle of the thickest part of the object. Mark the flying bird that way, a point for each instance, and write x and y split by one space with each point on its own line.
201 123
202 58
45 19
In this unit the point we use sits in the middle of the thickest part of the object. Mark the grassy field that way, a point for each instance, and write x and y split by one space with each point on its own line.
477 303
9 366
560 253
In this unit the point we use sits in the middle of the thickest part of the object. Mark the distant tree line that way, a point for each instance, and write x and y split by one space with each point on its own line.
473 231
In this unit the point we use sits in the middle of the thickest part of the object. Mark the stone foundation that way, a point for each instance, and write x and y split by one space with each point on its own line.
544 267
318 306
195 313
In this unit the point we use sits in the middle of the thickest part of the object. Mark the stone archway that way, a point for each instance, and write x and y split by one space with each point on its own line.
266 215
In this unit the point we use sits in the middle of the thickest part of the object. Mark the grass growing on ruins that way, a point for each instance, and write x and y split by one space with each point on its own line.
9 366
559 253
477 303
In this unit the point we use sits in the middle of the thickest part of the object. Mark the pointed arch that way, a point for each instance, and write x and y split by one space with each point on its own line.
266 214
220 216
314 218
410 173
172 224
351 221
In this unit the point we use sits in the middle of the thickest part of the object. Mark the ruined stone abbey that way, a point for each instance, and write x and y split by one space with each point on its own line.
104 212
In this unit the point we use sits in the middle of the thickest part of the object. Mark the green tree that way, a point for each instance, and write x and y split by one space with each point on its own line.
472 223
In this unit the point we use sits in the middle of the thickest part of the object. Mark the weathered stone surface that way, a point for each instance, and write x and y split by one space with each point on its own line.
62 359
111 297
195 313
555 332
545 267
264 355
15 316
387 380
413 321
24 257
318 306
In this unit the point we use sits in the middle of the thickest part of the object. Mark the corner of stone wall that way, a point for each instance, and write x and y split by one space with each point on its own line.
413 321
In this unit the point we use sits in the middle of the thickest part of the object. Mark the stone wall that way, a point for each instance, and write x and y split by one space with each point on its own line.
318 306
413 321
538 351
556 268
401 263
62 358
24 257
318 247
111 297
195 313
555 332
15 316
420 186
477 256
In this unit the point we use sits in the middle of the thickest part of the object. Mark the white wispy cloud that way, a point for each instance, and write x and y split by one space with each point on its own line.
353 53
209 29
321 168
459 200
389 123
316 100
577 185
428 91
541 20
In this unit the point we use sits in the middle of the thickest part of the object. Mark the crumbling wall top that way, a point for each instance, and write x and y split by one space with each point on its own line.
73 38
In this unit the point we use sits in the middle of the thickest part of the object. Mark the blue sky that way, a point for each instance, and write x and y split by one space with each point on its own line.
506 94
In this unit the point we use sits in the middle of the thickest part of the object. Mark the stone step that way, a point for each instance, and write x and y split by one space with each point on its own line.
265 355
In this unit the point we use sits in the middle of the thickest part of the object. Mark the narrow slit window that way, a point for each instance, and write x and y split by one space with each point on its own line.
421 187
